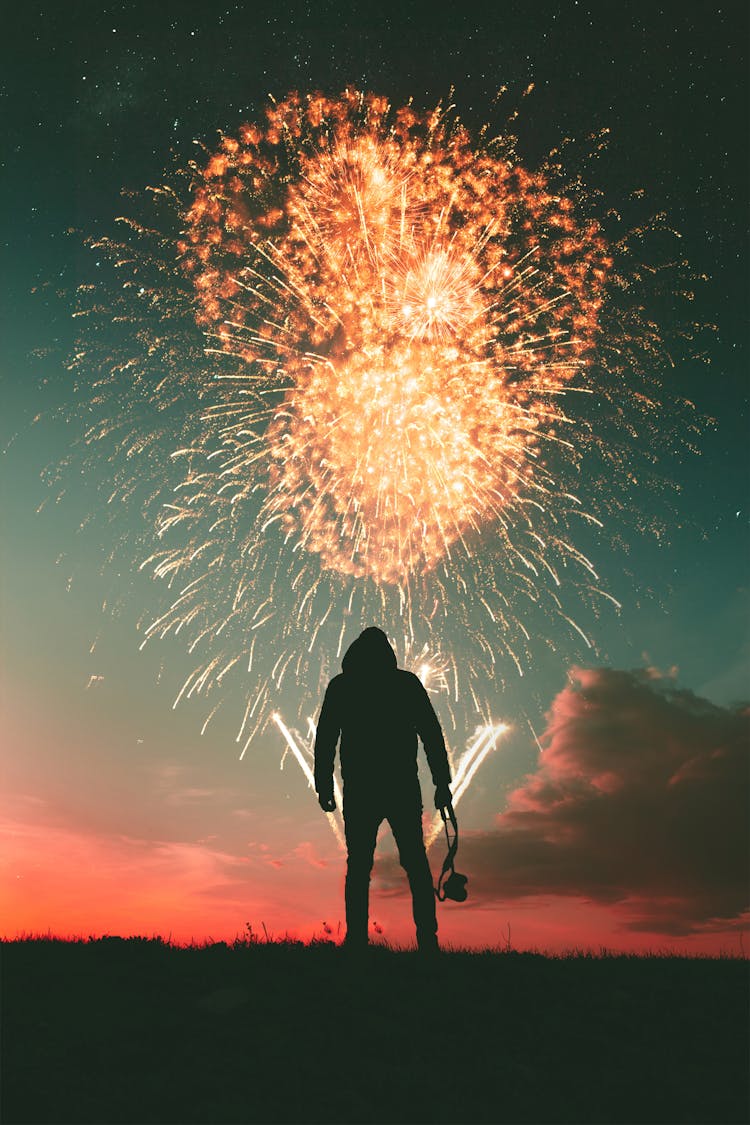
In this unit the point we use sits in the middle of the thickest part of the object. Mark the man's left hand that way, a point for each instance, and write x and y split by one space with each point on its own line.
327 802
443 797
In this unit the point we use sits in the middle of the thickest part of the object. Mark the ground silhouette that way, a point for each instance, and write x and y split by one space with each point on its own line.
113 1030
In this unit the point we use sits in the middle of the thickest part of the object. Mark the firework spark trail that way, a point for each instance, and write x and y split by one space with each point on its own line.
307 771
362 362
484 742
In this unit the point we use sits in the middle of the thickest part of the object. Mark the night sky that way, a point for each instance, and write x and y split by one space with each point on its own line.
119 816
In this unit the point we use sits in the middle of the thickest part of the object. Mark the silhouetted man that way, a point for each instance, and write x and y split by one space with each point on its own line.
378 710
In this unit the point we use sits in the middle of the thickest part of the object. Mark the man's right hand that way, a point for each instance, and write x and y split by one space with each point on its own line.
327 802
443 797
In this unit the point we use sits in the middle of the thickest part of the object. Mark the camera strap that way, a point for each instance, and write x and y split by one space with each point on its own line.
447 814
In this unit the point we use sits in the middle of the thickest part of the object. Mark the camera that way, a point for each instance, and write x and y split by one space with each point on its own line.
454 887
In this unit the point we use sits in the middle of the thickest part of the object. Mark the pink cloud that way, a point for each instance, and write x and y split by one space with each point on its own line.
307 852
639 800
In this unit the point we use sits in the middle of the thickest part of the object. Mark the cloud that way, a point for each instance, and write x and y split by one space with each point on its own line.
639 800
307 852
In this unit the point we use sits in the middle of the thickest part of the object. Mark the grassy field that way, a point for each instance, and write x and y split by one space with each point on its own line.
136 1030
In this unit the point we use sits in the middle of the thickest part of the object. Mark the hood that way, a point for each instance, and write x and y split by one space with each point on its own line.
370 655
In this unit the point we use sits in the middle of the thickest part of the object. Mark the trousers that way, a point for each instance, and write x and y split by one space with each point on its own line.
363 815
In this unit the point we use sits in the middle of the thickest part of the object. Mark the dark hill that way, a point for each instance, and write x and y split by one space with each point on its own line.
133 1030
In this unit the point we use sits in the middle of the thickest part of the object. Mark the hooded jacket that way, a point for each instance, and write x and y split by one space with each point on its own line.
378 710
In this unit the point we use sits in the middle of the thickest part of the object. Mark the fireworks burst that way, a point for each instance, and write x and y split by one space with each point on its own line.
421 305
377 356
